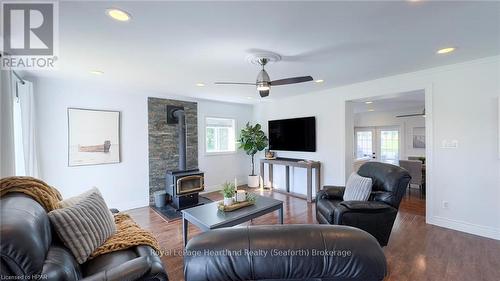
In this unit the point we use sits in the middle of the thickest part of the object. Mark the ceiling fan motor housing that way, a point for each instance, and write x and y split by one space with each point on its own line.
263 81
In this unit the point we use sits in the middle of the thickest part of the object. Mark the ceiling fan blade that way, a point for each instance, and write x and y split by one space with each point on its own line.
264 94
234 83
411 115
291 80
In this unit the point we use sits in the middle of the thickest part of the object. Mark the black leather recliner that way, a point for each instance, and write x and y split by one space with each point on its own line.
284 252
31 250
377 215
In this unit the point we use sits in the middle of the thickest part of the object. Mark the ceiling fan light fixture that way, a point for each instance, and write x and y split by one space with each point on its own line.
263 88
264 94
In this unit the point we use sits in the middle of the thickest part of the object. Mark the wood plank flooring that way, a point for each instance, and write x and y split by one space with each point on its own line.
416 251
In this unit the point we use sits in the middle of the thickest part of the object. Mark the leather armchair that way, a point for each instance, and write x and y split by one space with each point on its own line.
30 248
377 215
284 252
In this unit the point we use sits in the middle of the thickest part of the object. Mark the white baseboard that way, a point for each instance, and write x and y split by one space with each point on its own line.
131 205
481 230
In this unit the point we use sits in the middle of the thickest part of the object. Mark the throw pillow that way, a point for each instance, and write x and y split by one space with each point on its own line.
358 188
84 226
75 199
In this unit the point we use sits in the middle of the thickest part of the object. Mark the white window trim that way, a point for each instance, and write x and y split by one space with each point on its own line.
219 153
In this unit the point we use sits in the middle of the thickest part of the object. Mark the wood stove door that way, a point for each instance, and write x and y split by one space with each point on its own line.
190 184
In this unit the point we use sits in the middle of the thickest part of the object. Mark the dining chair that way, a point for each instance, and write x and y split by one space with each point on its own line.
414 167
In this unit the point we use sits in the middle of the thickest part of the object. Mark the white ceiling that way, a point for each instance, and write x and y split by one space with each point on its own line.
405 103
168 47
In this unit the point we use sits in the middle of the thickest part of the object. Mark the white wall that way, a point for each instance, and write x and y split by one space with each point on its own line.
124 185
223 167
461 105
388 118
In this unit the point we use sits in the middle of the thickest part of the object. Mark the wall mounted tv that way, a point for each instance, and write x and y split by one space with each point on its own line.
298 134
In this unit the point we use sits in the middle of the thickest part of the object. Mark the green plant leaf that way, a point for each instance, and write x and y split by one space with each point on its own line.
252 139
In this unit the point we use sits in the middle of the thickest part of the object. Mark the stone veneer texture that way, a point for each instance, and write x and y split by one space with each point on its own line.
163 144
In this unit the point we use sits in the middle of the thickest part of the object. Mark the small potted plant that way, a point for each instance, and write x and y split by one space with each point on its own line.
252 140
228 191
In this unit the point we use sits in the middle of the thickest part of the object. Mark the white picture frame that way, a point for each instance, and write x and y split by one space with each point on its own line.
93 137
419 137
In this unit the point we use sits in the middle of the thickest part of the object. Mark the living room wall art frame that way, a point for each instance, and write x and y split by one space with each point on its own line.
93 137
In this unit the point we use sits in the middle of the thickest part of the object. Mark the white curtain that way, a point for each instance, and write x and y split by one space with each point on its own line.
28 125
7 154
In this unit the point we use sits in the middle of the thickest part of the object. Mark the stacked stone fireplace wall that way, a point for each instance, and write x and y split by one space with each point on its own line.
163 141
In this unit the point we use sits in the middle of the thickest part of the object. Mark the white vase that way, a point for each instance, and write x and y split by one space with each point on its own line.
253 181
228 201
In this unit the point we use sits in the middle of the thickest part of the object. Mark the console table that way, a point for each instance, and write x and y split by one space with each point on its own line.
287 162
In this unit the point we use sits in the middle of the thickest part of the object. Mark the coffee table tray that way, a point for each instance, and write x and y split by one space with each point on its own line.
234 206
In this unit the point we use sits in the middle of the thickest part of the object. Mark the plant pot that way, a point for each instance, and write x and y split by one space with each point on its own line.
253 181
228 201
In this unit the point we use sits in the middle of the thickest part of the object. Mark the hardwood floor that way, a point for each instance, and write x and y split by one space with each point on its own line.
416 251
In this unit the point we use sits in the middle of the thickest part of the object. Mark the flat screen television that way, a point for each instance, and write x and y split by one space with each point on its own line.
298 134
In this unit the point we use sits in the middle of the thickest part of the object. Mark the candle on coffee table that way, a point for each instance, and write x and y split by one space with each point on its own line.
241 196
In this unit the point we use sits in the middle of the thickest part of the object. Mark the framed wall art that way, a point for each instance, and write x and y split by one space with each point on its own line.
419 137
93 137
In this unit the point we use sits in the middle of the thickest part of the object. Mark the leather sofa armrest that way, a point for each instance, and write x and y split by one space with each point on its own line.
366 206
128 271
156 268
147 266
331 192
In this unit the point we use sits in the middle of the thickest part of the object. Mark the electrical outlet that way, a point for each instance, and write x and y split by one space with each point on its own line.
445 204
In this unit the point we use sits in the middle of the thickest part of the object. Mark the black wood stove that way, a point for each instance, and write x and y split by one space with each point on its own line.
182 185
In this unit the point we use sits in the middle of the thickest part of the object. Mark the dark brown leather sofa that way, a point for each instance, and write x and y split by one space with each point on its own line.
285 252
31 250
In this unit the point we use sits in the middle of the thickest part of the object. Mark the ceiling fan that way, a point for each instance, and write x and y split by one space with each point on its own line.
264 83
412 115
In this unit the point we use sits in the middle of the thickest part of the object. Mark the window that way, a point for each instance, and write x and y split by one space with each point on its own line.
379 143
389 146
220 135
364 143
18 140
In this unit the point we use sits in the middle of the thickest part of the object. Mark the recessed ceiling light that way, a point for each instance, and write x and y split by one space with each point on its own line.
368 102
371 110
97 72
250 98
118 15
199 84
319 81
445 50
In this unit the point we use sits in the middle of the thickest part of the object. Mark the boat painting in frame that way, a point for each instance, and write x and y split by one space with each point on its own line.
93 137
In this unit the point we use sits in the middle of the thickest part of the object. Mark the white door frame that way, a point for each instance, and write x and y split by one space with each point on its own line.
429 134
